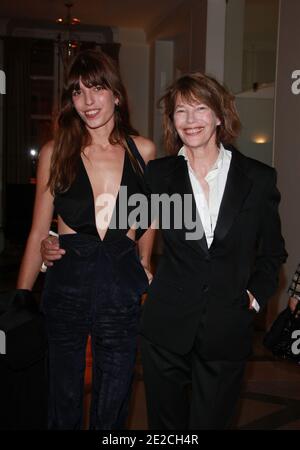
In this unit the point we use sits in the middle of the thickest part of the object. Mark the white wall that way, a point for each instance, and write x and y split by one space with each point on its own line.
134 67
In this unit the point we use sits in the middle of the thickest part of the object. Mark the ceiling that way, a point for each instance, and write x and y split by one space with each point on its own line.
143 14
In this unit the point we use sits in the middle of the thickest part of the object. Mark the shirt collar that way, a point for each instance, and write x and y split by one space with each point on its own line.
218 163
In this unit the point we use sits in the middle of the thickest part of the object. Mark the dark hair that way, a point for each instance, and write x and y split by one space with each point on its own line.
200 87
92 68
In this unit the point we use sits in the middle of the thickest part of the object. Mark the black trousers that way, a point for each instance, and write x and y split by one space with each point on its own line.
93 290
186 392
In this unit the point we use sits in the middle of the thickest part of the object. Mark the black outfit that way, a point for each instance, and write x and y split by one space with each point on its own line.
93 290
196 324
23 386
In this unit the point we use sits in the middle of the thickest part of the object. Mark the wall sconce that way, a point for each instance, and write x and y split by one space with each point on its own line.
260 138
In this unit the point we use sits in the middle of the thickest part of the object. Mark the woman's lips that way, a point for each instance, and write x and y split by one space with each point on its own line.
193 131
92 113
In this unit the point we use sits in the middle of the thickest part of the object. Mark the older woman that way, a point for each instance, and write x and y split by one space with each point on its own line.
197 321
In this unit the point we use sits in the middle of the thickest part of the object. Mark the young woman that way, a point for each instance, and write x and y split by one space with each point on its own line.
95 288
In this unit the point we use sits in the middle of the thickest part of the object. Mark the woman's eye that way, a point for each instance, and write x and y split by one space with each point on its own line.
98 87
201 108
75 93
179 110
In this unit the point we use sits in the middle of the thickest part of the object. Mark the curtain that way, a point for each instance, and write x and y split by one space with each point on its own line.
17 163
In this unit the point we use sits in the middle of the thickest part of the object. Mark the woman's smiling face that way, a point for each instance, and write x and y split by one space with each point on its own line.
195 122
95 105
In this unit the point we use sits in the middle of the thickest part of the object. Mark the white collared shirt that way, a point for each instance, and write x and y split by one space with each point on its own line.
216 179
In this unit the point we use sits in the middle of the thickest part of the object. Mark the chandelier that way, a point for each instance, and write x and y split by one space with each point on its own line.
68 44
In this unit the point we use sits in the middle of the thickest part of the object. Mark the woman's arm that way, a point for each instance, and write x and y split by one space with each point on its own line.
42 216
294 289
145 244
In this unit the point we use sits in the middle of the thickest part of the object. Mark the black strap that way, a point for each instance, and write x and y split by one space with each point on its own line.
135 152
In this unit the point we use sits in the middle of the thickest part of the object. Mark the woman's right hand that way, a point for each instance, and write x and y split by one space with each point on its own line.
51 251
293 302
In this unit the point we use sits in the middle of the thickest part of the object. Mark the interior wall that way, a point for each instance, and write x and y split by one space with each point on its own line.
250 55
259 42
181 37
215 39
287 136
134 66
257 119
234 40
163 76
186 26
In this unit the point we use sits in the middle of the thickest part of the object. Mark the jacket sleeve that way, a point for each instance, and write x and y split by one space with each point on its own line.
271 253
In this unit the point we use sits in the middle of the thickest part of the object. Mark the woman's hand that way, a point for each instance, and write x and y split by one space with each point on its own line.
148 273
293 302
51 251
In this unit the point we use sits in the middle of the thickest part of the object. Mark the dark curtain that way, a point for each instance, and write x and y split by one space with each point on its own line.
17 163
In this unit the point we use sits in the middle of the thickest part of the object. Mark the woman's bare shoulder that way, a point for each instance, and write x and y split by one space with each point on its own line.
47 150
146 147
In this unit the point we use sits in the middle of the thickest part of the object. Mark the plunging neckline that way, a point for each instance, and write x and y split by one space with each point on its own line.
93 196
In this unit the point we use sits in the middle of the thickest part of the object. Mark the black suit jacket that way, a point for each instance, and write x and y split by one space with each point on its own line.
202 292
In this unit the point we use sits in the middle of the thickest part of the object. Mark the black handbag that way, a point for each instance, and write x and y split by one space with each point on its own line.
23 370
22 330
283 338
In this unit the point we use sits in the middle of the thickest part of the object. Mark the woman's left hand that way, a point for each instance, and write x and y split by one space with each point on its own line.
149 274
293 302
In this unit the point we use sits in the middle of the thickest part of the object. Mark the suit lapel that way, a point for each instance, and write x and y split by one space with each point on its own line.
179 182
237 188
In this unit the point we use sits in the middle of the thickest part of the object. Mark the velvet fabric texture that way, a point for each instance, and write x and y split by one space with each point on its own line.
94 290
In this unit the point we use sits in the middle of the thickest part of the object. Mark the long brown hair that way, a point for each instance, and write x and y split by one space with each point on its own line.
200 87
92 68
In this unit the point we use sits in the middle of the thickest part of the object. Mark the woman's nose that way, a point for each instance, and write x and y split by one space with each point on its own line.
190 118
88 98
